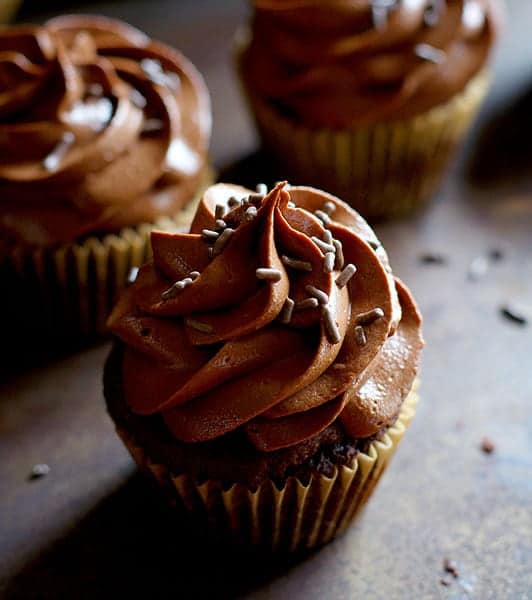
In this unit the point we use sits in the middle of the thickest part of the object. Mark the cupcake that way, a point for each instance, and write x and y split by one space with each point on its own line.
103 136
265 366
367 99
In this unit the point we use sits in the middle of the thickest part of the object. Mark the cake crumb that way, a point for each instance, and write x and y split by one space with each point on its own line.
487 446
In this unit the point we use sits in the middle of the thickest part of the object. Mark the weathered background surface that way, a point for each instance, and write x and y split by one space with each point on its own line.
92 528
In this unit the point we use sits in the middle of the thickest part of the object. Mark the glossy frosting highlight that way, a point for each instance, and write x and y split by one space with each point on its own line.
247 323
350 62
100 128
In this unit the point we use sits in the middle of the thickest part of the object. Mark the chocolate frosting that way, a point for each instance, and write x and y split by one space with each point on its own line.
253 322
100 128
351 62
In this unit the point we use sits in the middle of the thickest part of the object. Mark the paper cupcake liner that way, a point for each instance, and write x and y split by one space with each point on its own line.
385 170
68 292
299 516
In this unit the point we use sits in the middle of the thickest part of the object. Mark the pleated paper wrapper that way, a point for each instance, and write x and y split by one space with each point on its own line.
297 517
386 170
68 292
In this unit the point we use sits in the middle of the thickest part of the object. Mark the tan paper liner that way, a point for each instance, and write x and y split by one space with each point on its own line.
296 517
68 292
385 170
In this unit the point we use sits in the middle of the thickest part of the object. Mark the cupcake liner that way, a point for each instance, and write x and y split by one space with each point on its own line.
298 516
68 292
384 170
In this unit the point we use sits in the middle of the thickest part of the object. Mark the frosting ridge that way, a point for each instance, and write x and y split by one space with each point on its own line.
100 128
350 62
275 314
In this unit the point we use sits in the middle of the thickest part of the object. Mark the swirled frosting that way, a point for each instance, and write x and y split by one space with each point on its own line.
277 315
100 128
347 62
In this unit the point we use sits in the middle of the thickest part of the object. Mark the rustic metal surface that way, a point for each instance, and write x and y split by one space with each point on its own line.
92 528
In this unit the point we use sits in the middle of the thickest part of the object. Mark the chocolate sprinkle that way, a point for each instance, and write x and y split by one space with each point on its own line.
209 234
203 327
374 244
368 317
513 314
496 254
306 303
328 262
327 237
319 294
323 246
333 333
268 274
38 471
445 582
430 53
234 202
323 217
255 198
294 263
328 208
285 316
339 256
487 446
219 211
428 258
451 567
360 335
222 240
346 275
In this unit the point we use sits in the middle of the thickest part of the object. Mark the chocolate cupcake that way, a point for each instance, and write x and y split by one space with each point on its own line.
265 365
103 136
367 99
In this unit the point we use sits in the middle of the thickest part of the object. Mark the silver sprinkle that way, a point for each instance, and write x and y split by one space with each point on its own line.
328 262
222 240
209 234
327 237
250 213
319 294
323 217
220 224
95 89
261 189
187 281
339 256
307 303
345 275
157 74
291 204
333 333
360 335
173 290
53 160
430 53
219 211
203 327
133 274
328 208
367 318
285 316
40 470
210 252
194 275
294 263
323 246
477 268
268 274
